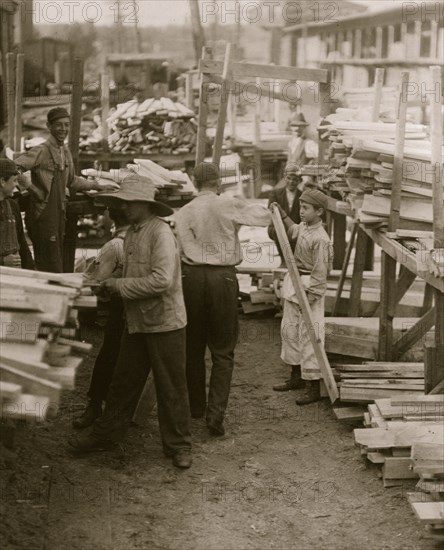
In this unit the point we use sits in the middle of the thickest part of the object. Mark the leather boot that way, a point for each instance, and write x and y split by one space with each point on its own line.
92 411
295 381
312 393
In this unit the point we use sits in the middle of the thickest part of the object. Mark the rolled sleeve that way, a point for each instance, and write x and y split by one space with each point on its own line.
161 278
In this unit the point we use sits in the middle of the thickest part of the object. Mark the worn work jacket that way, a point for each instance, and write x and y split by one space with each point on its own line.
151 284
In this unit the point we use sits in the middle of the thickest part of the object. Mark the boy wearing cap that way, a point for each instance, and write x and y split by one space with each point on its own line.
154 335
207 231
52 177
14 250
313 254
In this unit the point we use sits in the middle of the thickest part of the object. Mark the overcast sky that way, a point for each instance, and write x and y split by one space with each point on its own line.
149 12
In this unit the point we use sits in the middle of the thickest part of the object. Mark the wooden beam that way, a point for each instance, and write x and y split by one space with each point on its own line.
344 269
379 83
388 277
19 74
276 72
358 271
414 334
222 117
203 110
9 99
318 348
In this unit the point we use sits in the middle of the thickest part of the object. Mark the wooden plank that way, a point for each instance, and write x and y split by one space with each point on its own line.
10 94
376 458
316 342
222 116
429 512
203 110
343 275
358 272
417 400
366 395
275 72
19 83
31 384
398 468
72 280
414 334
9 391
349 413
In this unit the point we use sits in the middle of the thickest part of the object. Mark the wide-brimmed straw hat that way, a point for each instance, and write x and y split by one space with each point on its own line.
134 189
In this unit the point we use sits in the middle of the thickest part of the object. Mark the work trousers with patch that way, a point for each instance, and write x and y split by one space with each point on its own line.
109 352
164 354
296 345
211 295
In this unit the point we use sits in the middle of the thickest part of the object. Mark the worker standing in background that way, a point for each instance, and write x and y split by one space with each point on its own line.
52 179
301 149
14 250
207 232
313 255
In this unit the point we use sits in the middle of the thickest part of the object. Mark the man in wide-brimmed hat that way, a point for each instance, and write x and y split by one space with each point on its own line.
154 335
301 149
52 178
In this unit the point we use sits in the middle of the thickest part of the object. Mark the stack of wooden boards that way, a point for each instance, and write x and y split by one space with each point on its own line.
171 185
152 126
361 169
364 383
35 361
405 435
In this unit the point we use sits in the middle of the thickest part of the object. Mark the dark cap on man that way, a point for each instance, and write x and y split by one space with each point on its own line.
206 172
314 197
56 113
7 169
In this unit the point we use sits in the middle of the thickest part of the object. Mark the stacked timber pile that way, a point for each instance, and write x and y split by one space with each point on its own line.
151 127
427 501
364 383
36 361
172 185
394 427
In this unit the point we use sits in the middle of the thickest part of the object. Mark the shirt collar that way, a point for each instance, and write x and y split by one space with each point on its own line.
53 142
315 226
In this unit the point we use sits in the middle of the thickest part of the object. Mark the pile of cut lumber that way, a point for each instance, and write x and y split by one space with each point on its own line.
257 297
370 381
171 185
427 501
36 361
393 426
361 169
151 127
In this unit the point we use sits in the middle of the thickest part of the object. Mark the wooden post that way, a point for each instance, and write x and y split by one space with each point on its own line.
257 118
197 29
354 307
436 134
70 242
9 99
318 348
19 70
203 111
339 229
189 99
222 118
324 100
388 264
105 109
379 83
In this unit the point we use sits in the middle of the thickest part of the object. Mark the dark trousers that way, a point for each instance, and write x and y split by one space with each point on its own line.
164 353
109 352
211 295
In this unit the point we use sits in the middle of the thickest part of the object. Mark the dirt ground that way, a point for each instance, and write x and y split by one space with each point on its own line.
283 477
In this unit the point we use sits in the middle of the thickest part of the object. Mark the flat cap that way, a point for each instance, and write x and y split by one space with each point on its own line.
293 168
206 171
7 169
314 197
56 113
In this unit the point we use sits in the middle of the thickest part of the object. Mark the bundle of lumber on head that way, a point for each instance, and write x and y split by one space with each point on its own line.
35 362
405 436
171 185
361 157
153 126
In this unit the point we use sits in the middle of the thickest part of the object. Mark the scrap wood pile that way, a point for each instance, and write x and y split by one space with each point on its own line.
361 169
36 361
405 436
171 185
151 127
364 383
